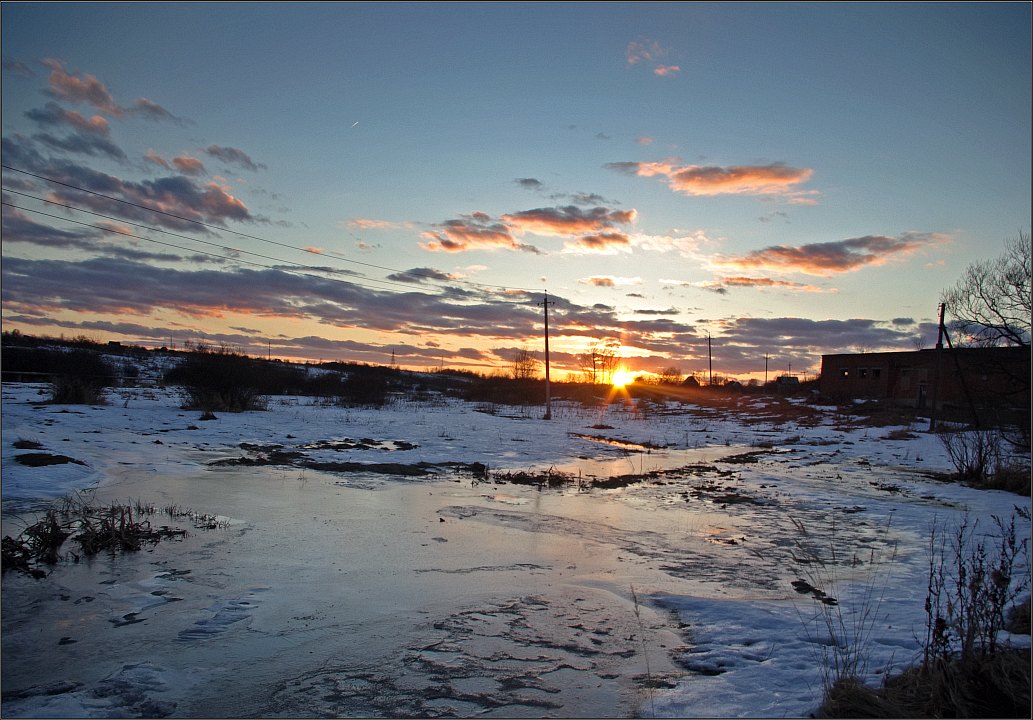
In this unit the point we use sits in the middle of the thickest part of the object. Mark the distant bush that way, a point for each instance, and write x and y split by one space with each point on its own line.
221 379
354 384
504 390
82 377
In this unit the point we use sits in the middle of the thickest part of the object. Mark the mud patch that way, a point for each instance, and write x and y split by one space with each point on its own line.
43 459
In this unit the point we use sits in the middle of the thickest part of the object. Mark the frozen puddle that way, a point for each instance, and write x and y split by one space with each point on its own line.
414 599
615 458
369 595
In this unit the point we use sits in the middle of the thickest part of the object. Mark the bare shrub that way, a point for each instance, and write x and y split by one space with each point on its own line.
973 579
81 378
978 583
219 380
984 458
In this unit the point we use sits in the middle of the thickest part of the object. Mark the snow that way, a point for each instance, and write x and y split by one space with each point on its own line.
369 594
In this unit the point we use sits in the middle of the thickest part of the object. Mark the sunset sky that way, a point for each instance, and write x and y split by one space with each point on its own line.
362 181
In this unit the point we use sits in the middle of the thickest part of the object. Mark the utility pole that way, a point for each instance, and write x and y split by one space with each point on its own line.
710 360
548 398
936 374
765 368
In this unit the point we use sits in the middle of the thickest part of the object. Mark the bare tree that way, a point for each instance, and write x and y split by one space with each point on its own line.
600 362
525 365
671 376
990 307
991 303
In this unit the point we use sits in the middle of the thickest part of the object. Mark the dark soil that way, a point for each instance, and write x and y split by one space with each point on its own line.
42 459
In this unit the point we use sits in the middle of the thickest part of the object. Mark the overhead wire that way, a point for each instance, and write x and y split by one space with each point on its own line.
253 237
409 286
203 252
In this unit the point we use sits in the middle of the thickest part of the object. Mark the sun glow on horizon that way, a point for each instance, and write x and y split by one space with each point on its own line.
622 377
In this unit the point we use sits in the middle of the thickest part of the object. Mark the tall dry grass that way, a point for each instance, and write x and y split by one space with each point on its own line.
978 588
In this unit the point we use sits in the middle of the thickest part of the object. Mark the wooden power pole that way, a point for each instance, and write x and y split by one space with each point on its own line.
710 360
936 373
548 398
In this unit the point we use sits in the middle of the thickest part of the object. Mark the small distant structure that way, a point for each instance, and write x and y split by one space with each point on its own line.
690 382
786 384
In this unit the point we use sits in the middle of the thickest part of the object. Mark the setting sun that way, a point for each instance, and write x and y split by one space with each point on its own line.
621 378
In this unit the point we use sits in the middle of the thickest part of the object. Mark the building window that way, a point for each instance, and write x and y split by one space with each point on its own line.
844 373
862 373
876 373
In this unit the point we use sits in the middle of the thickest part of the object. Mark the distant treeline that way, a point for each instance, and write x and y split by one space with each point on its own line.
220 378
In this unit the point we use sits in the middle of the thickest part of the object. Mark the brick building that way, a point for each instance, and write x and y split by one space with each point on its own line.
978 378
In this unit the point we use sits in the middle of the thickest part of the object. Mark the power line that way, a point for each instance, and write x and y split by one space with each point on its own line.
184 237
210 254
245 235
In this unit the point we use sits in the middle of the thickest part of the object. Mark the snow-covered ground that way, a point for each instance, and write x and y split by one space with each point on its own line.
386 594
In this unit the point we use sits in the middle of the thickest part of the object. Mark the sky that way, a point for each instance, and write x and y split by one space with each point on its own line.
404 182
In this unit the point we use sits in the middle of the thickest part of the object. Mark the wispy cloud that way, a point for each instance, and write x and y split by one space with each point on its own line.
529 183
89 90
188 165
606 243
593 229
422 274
87 136
53 115
17 227
176 195
80 89
371 224
476 231
82 144
831 258
17 67
567 220
773 179
233 156
722 285
610 281
648 51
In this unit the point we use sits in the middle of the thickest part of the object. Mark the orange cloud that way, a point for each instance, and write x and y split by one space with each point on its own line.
472 232
722 284
568 220
825 259
665 70
607 243
157 159
86 88
773 179
188 165
368 224
609 281
597 228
